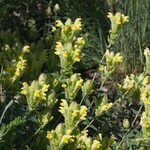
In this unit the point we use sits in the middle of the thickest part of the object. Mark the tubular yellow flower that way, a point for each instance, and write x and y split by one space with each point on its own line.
83 112
24 88
65 54
80 41
75 113
37 93
102 68
68 131
21 64
145 81
110 15
26 49
79 83
66 139
77 25
118 18
49 135
6 47
76 56
59 45
144 122
106 107
145 94
96 145
63 103
59 23
58 48
117 58
45 88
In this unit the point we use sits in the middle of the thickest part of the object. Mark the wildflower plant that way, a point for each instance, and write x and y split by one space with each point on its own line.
12 72
68 48
117 20
111 62
36 92
68 135
72 86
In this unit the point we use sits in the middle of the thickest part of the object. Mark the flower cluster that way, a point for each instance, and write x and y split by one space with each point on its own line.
72 86
36 92
112 60
59 137
72 113
117 21
102 106
21 64
86 143
133 82
118 18
76 26
68 48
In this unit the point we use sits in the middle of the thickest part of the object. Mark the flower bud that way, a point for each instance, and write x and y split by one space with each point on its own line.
48 11
56 8
126 123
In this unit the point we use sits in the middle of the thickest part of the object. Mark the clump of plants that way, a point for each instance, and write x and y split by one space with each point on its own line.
57 110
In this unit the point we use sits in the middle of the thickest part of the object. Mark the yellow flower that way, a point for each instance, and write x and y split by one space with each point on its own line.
129 82
45 88
59 23
79 84
21 64
145 94
68 131
63 103
24 88
77 25
57 8
6 47
58 48
117 58
83 112
106 107
145 81
102 68
49 135
96 145
76 56
45 119
118 18
53 29
144 122
37 93
17 73
80 41
64 85
66 139
26 49
110 15
65 54
75 113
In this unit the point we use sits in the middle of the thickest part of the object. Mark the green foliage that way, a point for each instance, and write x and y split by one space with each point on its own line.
7 130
